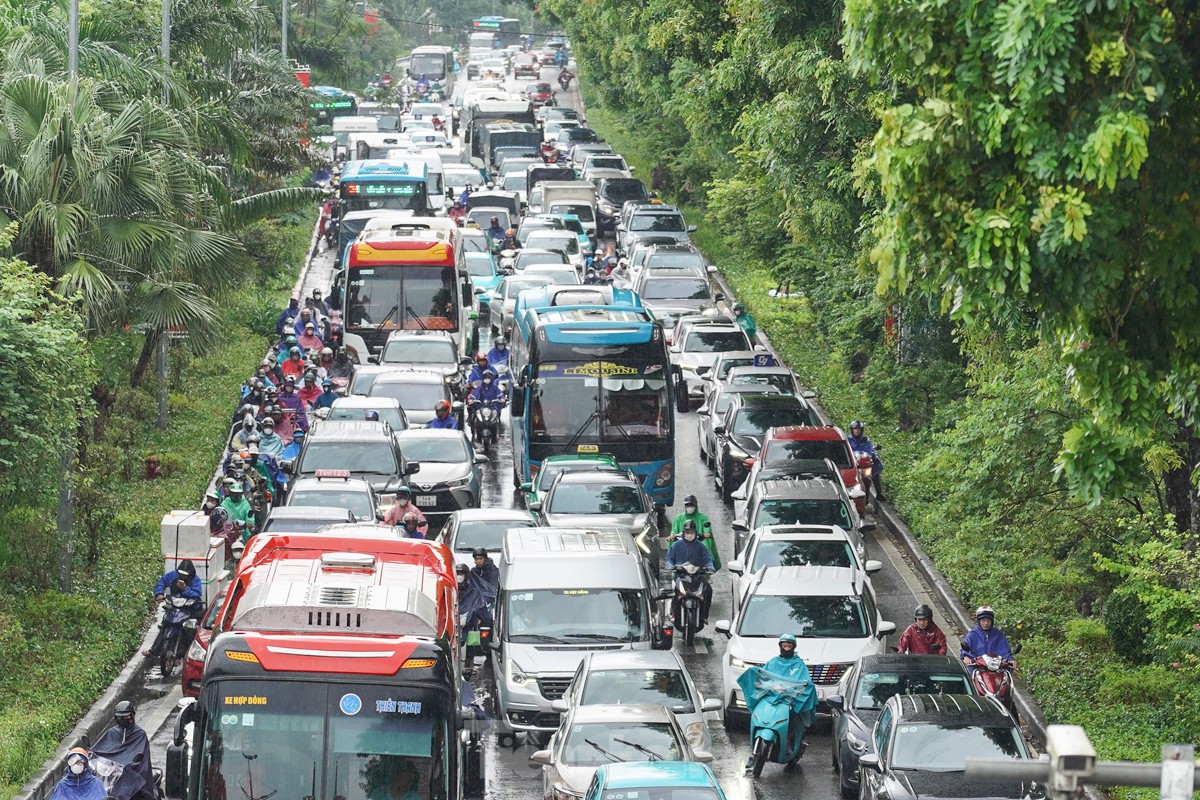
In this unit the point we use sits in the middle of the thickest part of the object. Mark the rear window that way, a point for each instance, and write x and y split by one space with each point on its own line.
813 553
619 191
714 341
680 289
781 451
672 223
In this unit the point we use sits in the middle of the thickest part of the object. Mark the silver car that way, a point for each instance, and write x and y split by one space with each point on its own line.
504 299
593 735
603 499
642 677
695 354
470 528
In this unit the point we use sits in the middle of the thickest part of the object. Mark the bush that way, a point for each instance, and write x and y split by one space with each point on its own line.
1126 621
1152 685
1088 635
54 615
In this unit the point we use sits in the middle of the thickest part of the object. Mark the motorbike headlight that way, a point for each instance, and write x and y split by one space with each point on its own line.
695 735
856 744
516 677
196 652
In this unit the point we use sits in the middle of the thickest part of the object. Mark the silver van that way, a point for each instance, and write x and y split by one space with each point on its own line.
565 592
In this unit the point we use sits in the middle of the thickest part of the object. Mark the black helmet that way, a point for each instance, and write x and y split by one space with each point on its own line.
218 517
479 551
462 569
123 709
689 525
923 612
856 424
186 569
690 500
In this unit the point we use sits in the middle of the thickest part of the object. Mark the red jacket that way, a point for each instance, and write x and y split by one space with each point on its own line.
930 641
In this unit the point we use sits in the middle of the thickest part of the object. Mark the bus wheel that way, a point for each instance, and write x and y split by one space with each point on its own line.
682 403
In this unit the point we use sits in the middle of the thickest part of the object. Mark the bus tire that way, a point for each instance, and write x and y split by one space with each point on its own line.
682 402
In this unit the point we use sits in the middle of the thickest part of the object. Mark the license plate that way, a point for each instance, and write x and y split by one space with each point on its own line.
427 499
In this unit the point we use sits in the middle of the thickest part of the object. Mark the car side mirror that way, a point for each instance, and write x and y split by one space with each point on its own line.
866 526
869 761
740 525
885 628
703 756
718 430
873 566
480 458
703 411
412 468
724 627
541 757
710 704
712 269
665 594
535 507
736 566
691 228
560 705
719 297
808 394
835 702
749 463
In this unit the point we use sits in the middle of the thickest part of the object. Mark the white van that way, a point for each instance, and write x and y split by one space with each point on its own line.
434 171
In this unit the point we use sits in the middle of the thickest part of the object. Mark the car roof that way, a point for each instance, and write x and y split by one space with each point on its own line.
492 514
634 659
807 581
429 433
620 713
395 335
948 709
362 401
636 774
799 489
798 532
763 400
332 513
348 430
902 662
411 376
312 483
674 247
750 369
602 474
579 458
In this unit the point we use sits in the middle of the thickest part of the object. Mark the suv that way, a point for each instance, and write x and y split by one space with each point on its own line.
600 498
798 546
799 501
304 519
778 376
366 450
716 400
745 423
651 219
694 354
432 350
809 442
526 65
832 610
335 489
678 255
449 471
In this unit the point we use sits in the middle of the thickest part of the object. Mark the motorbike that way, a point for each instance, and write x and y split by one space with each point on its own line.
992 677
687 609
565 81
865 465
774 703
180 617
549 153
477 638
485 422
331 232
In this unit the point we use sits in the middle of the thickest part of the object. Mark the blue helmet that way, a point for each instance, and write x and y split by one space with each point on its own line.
787 637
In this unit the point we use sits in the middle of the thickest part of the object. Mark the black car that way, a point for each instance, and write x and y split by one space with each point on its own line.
865 689
920 744
740 432
362 449
611 194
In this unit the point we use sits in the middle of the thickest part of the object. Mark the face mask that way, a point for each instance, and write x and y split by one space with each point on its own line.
690 536
487 381
125 722
690 509
401 501
786 653
78 767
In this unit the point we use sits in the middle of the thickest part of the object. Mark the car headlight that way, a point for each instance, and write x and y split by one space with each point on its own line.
196 652
856 744
695 735
561 792
737 663
463 481
516 677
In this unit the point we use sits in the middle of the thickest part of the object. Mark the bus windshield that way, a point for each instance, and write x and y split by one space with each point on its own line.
401 195
568 404
308 739
410 297
431 65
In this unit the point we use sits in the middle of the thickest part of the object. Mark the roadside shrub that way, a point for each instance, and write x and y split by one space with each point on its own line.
1151 685
54 615
1088 635
1125 620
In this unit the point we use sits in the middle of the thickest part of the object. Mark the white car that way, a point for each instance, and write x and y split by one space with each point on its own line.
798 546
564 241
642 677
832 612
696 353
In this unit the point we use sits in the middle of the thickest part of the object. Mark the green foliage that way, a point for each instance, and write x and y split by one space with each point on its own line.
1088 635
1126 621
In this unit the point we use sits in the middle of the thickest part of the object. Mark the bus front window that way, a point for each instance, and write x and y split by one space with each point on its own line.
572 405
411 297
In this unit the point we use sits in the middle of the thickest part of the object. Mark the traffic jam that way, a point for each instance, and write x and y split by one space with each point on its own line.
521 501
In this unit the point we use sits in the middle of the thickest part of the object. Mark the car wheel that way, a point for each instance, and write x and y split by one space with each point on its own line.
682 402
846 790
726 486
703 454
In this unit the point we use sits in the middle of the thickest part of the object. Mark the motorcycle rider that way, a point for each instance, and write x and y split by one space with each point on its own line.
220 525
292 451
498 355
127 744
621 279
79 781
287 318
746 322
923 637
985 638
787 665
181 581
401 506
291 401
511 240
294 365
325 398
487 392
308 339
309 392
691 511
319 304
495 231
442 418
242 437
486 571
269 441
689 550
237 505
457 212
859 443
412 526
475 376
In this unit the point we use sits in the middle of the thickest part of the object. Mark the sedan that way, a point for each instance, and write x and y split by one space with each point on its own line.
449 477
484 276
590 736
712 410
662 780
642 677
358 406
538 93
552 466
335 489
864 691
504 299
528 256
470 528
417 392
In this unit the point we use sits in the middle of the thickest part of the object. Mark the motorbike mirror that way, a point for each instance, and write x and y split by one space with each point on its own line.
703 756
666 594
866 525
873 566
724 627
480 458
835 702
560 706
287 466
710 704
736 566
869 761
465 361
526 487
885 628
1016 648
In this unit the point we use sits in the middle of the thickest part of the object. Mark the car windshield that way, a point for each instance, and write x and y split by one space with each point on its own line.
370 458
298 525
594 743
583 213
606 162
514 182
576 615
475 244
677 289
672 223
649 687
945 748
753 422
485 533
435 449
802 512
594 498
481 267
874 688
780 380
527 259
715 341
728 363
513 288
413 397
419 351
618 190
823 616
665 793
392 416
780 451
568 242
356 502
579 135
810 553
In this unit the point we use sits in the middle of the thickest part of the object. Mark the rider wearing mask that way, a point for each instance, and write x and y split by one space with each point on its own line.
220 525
985 638
511 241
689 550
324 362
402 505
294 366
237 505
309 392
287 317
411 526
498 355
442 418
788 665
127 744
691 511
475 376
318 303
923 637
495 231
292 451
79 782
269 441
291 401
487 391
308 339
179 582
859 443
457 212
285 346
304 320
242 437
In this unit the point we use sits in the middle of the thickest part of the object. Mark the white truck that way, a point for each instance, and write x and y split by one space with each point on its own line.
566 197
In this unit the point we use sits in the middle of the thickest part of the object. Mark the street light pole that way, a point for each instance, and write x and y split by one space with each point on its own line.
166 31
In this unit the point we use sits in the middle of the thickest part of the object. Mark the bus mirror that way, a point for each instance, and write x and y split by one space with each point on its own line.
187 715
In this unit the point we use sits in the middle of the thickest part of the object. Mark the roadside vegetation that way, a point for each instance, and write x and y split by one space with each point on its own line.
1002 290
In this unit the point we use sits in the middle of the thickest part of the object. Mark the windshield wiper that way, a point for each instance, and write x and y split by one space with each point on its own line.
600 637
604 752
537 637
387 317
415 316
641 749
582 428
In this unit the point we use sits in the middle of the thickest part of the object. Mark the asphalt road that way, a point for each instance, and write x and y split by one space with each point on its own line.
510 774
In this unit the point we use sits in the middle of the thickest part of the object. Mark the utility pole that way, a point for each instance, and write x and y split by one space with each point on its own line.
73 39
164 342
166 32
283 38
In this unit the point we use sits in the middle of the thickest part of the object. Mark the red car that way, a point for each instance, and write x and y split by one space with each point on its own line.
808 442
193 662
539 93
527 65
548 54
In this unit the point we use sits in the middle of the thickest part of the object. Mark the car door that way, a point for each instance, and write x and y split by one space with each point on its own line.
872 780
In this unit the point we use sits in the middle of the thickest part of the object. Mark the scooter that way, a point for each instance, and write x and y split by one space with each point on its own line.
772 700
485 422
865 466
478 636
687 610
180 617
565 81
992 677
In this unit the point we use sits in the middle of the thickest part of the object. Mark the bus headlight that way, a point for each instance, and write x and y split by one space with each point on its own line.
664 475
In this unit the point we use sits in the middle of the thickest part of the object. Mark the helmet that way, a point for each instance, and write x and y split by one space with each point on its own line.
124 710
481 356
411 518
690 500
689 525
291 339
462 569
295 351
489 374
326 384
441 407
500 340
371 416
326 351
237 488
985 611
298 434
787 637
738 308
510 232
403 490
186 569
923 612
479 551
310 377
237 462
856 424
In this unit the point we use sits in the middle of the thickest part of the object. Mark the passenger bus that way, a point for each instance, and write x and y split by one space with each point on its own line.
591 378
334 671
400 184
405 278
436 63
505 30
330 103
